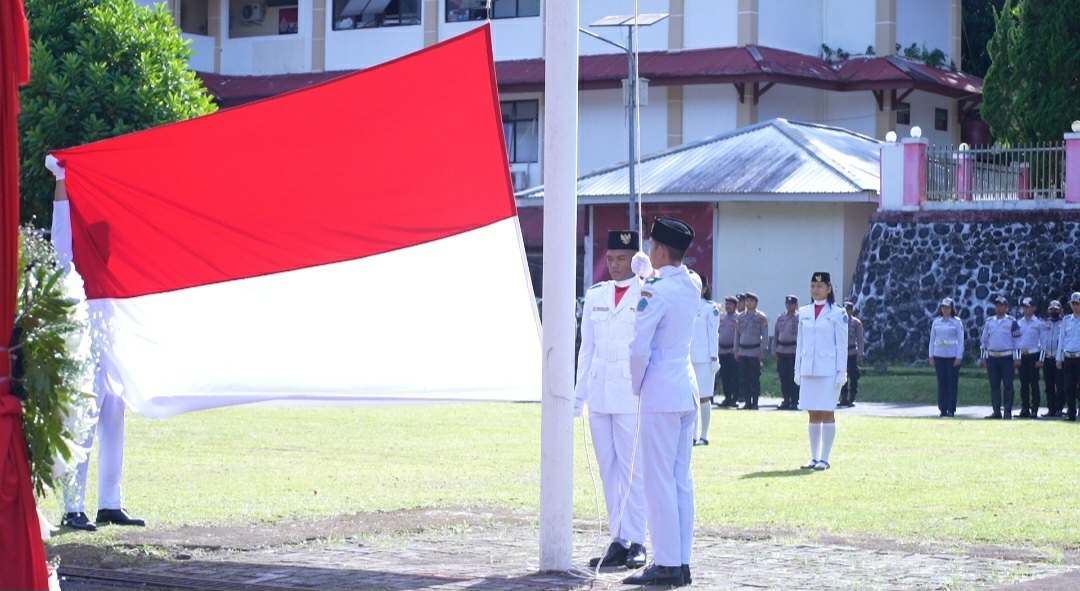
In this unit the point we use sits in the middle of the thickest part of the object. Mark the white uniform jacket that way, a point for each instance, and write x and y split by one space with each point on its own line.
822 344
603 373
660 352
705 344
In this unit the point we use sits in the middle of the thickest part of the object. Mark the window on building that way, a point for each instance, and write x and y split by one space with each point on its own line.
368 14
903 114
521 126
478 10
255 18
941 119
195 17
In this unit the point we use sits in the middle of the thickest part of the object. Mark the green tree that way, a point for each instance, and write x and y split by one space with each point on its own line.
999 108
99 68
1032 90
977 28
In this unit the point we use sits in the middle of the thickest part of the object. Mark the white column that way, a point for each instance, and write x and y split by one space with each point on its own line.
560 249
892 176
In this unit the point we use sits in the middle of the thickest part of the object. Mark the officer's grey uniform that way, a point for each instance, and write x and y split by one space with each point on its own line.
753 340
785 335
999 341
1032 336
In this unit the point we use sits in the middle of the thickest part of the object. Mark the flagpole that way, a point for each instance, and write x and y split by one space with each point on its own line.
560 259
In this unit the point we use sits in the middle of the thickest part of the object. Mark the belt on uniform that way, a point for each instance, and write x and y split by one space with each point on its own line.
1000 353
943 342
1072 355
750 346
727 345
1031 351
783 344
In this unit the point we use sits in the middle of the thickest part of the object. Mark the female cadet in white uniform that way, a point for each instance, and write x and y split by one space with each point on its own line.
821 366
705 355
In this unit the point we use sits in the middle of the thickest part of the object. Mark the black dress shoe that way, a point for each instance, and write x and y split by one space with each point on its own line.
686 574
615 556
1007 416
636 556
118 517
657 576
1025 414
77 521
996 415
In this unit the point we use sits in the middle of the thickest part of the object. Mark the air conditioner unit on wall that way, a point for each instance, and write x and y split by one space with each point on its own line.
520 178
253 13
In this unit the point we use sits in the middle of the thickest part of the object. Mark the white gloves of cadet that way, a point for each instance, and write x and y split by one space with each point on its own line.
641 265
841 379
798 379
54 167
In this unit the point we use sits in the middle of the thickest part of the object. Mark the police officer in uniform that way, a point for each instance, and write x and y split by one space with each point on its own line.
1052 377
856 341
785 333
753 333
946 355
1032 336
729 366
663 376
110 406
1068 355
1000 356
603 381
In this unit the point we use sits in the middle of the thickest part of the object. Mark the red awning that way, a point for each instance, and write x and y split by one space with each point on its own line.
720 65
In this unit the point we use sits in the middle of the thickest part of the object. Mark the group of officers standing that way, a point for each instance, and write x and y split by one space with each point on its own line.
743 343
1028 345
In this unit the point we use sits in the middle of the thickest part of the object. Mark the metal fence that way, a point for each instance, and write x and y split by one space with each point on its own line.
984 173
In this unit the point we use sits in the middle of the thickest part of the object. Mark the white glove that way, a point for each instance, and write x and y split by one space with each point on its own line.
641 265
841 379
54 167
578 407
798 379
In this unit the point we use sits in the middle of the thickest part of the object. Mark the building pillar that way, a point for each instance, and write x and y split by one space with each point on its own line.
676 23
318 35
892 176
747 112
956 54
885 45
674 116
965 174
1072 166
429 15
748 22
914 171
215 24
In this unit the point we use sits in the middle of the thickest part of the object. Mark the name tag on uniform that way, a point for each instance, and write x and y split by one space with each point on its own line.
599 309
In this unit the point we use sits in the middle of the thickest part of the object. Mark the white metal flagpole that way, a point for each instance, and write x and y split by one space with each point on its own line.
560 259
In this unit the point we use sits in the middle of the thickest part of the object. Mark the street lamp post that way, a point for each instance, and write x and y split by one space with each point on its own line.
633 85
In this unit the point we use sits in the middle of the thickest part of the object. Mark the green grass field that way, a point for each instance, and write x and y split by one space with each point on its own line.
909 384
925 479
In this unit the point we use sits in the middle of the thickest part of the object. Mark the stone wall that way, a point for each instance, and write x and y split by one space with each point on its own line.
911 260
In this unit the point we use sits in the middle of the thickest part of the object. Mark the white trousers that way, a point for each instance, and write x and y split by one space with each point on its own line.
666 440
613 440
110 435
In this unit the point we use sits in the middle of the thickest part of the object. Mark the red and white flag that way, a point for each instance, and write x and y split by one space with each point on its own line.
357 239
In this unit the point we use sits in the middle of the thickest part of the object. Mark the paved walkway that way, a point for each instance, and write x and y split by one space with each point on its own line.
893 409
503 558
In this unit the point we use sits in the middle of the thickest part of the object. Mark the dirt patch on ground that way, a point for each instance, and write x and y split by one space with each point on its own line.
137 546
